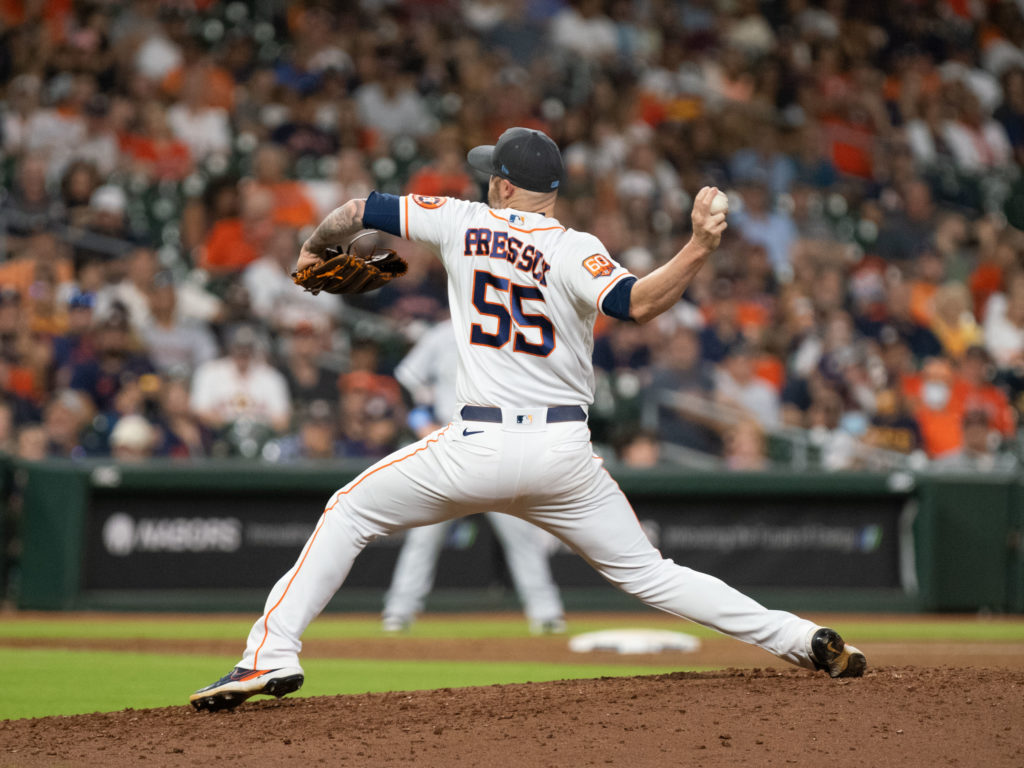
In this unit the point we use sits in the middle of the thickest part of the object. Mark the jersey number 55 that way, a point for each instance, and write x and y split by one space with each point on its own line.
517 294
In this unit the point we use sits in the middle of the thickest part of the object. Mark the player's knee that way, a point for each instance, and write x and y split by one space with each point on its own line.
649 583
362 524
344 517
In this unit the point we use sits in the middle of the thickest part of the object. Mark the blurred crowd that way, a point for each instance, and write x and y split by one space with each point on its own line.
162 161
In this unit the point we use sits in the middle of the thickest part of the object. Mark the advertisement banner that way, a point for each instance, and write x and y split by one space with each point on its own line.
208 540
137 541
792 543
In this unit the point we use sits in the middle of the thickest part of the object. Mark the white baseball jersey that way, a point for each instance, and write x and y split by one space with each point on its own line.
519 285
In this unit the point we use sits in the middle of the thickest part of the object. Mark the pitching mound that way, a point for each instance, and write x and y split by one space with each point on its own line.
907 716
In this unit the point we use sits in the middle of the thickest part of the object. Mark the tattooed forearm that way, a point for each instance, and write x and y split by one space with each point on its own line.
337 226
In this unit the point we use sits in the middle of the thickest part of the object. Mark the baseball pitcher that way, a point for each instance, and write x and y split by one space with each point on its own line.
524 292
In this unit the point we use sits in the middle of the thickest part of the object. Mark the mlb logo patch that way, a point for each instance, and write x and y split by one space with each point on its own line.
515 218
524 419
598 265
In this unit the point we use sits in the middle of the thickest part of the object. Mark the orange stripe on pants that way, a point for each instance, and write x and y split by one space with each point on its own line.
323 519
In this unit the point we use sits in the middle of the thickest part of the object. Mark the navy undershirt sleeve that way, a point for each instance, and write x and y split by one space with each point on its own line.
616 303
381 212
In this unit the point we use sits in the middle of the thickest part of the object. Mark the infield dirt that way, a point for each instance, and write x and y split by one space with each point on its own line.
926 704
906 716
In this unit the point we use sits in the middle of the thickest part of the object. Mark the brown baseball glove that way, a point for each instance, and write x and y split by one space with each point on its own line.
348 272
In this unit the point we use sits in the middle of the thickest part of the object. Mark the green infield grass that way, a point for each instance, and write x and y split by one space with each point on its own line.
62 682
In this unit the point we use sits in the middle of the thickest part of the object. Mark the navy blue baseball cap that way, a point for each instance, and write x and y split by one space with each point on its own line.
527 158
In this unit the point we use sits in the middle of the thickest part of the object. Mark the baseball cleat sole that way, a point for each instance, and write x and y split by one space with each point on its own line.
831 654
241 684
855 665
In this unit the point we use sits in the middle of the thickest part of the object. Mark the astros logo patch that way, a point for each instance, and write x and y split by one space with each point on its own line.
429 202
599 265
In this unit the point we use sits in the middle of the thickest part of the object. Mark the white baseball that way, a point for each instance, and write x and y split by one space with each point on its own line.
720 204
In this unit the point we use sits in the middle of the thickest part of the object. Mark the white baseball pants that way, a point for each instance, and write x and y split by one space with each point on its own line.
524 553
545 473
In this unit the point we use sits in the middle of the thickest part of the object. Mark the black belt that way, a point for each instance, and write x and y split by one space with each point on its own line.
556 413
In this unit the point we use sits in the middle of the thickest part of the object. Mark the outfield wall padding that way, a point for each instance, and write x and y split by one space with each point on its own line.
6 518
1015 550
217 534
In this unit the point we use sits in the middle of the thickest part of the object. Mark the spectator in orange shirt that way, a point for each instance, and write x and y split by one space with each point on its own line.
221 199
42 255
55 15
851 140
364 363
235 242
975 389
218 84
446 176
154 150
939 414
291 206
47 316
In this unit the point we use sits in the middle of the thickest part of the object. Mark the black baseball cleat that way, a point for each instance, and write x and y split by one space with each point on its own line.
237 686
839 659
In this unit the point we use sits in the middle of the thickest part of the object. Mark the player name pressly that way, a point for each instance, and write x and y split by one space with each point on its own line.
481 241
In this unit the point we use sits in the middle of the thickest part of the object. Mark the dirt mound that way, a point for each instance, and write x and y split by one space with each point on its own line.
908 716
